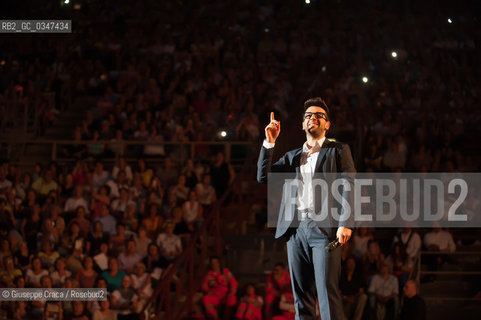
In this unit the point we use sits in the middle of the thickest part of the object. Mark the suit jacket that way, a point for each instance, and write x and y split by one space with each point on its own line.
334 157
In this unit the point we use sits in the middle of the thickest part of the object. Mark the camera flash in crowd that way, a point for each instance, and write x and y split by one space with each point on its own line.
365 79
323 68
394 54
66 1
223 134
450 20
308 1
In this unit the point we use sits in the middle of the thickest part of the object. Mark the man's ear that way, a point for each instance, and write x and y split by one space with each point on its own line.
328 125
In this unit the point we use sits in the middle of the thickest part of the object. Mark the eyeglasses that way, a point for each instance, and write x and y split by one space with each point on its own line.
316 115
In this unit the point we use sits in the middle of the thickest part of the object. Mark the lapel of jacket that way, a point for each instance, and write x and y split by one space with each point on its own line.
296 160
321 158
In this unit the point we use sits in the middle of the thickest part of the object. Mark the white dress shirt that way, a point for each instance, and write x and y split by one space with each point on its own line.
305 192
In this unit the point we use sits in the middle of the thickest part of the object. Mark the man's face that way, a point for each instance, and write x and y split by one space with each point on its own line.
409 289
315 121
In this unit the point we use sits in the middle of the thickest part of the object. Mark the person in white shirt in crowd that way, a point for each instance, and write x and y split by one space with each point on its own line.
123 166
441 241
192 210
141 283
100 176
78 200
410 242
170 244
359 242
383 295
205 191
118 184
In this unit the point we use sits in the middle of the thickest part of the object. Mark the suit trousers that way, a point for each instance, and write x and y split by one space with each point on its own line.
314 272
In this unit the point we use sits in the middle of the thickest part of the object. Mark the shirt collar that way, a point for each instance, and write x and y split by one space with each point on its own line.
314 148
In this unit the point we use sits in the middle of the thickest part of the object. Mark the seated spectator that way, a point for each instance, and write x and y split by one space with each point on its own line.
145 173
130 217
86 277
23 257
286 305
113 276
105 313
142 242
351 287
383 295
191 175
47 255
67 187
394 158
205 191
153 222
182 229
9 272
102 258
154 260
359 241
250 307
44 185
96 237
125 300
414 307
5 184
168 173
60 273
192 210
141 283
278 282
169 243
399 263
79 311
180 190
78 200
79 173
82 222
72 241
119 239
219 288
123 166
138 192
129 257
37 305
373 260
100 176
441 241
58 221
116 186
119 206
99 199
34 274
410 243
95 150
108 221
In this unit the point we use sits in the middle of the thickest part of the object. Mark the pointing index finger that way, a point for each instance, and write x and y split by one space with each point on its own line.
272 116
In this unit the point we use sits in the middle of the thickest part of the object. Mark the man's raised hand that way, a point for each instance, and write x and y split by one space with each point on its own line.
272 129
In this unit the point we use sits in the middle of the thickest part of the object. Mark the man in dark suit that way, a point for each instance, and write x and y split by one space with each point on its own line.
312 267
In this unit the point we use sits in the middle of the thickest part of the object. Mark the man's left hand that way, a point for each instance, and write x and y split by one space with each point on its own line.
343 234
